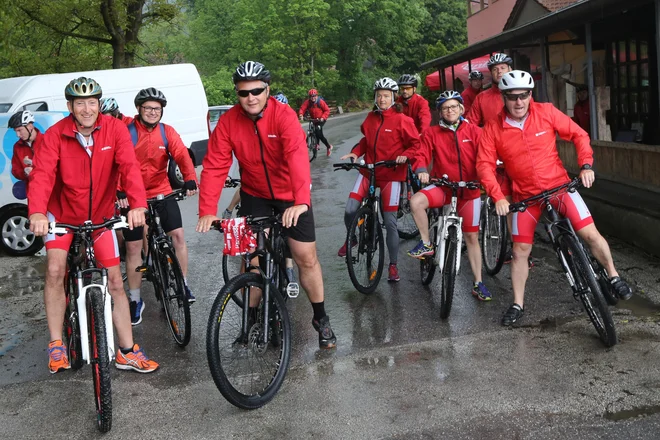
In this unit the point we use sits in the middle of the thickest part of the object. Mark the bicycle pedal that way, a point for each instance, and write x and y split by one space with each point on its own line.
142 269
293 290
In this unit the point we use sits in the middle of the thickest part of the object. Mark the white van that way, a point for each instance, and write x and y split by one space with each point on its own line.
186 111
15 238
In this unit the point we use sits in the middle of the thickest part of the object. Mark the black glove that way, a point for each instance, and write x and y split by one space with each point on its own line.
190 185
121 195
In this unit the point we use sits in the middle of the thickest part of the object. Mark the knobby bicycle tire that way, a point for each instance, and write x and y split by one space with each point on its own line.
359 232
312 142
175 300
448 273
226 317
591 297
405 223
492 225
72 325
100 359
428 265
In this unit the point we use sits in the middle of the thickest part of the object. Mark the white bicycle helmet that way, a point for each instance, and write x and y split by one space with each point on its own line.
516 79
21 119
386 84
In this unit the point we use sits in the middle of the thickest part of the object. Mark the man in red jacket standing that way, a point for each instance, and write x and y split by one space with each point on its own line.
86 190
476 79
319 112
413 104
270 148
581 110
29 139
524 137
488 103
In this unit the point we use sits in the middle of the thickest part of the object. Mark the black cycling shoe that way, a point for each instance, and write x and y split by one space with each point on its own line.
327 338
621 288
512 315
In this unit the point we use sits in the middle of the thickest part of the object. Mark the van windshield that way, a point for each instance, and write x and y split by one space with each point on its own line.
4 108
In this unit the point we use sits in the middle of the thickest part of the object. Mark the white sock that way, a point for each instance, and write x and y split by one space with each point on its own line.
134 294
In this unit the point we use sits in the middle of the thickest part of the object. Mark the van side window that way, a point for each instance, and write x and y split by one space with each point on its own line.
36 107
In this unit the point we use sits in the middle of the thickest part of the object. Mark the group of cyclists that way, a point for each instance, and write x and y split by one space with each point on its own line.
96 158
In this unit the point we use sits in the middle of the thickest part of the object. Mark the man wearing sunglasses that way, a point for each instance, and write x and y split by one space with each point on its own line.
524 137
271 151
318 111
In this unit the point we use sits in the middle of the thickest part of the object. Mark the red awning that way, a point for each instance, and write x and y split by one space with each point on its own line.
461 71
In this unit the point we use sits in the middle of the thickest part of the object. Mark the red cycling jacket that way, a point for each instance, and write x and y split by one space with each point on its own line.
271 153
485 107
469 95
153 158
22 150
387 135
454 153
530 155
126 119
87 185
418 109
317 110
582 115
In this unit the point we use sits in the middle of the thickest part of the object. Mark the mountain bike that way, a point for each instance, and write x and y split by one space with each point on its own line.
248 348
164 271
405 223
446 238
365 250
493 237
88 330
312 140
574 260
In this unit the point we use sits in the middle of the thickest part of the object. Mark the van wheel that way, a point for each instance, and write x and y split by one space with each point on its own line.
16 238
175 176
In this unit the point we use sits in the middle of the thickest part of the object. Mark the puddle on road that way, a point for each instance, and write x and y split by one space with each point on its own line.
641 307
637 411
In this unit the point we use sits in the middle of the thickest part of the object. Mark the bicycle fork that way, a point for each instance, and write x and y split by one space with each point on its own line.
81 302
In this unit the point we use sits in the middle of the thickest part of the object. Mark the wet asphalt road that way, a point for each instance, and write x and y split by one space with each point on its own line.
399 372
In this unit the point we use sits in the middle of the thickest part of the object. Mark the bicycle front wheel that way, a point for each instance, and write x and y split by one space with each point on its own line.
100 359
493 235
365 251
405 223
448 273
589 290
247 371
311 146
175 301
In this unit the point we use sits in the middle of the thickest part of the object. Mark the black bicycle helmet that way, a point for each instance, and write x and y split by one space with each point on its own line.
475 74
251 71
407 80
82 88
499 58
150 94
21 119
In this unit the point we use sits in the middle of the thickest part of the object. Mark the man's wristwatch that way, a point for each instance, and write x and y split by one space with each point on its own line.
586 166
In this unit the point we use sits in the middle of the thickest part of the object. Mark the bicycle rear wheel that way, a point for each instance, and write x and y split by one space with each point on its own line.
448 273
72 325
311 146
427 265
248 372
100 359
405 223
493 238
588 289
603 279
175 301
365 252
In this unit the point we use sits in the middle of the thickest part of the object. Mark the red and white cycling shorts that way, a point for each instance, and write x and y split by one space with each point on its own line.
469 209
106 248
569 205
389 193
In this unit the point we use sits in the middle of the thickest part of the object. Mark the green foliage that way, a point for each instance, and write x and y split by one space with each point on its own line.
219 88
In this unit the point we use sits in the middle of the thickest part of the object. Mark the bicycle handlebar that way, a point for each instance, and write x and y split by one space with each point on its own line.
232 183
444 181
368 166
64 228
177 194
522 205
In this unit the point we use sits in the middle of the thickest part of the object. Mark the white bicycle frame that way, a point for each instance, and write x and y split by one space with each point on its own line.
81 302
449 219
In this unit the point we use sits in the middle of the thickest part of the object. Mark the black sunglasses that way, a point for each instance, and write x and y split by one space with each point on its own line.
515 96
253 92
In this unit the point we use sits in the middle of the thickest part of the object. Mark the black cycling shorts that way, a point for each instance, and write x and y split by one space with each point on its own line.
170 218
258 207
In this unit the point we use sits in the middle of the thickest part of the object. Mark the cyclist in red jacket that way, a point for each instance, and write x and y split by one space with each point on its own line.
413 104
476 80
488 103
269 145
452 145
388 135
29 140
86 190
524 137
319 110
